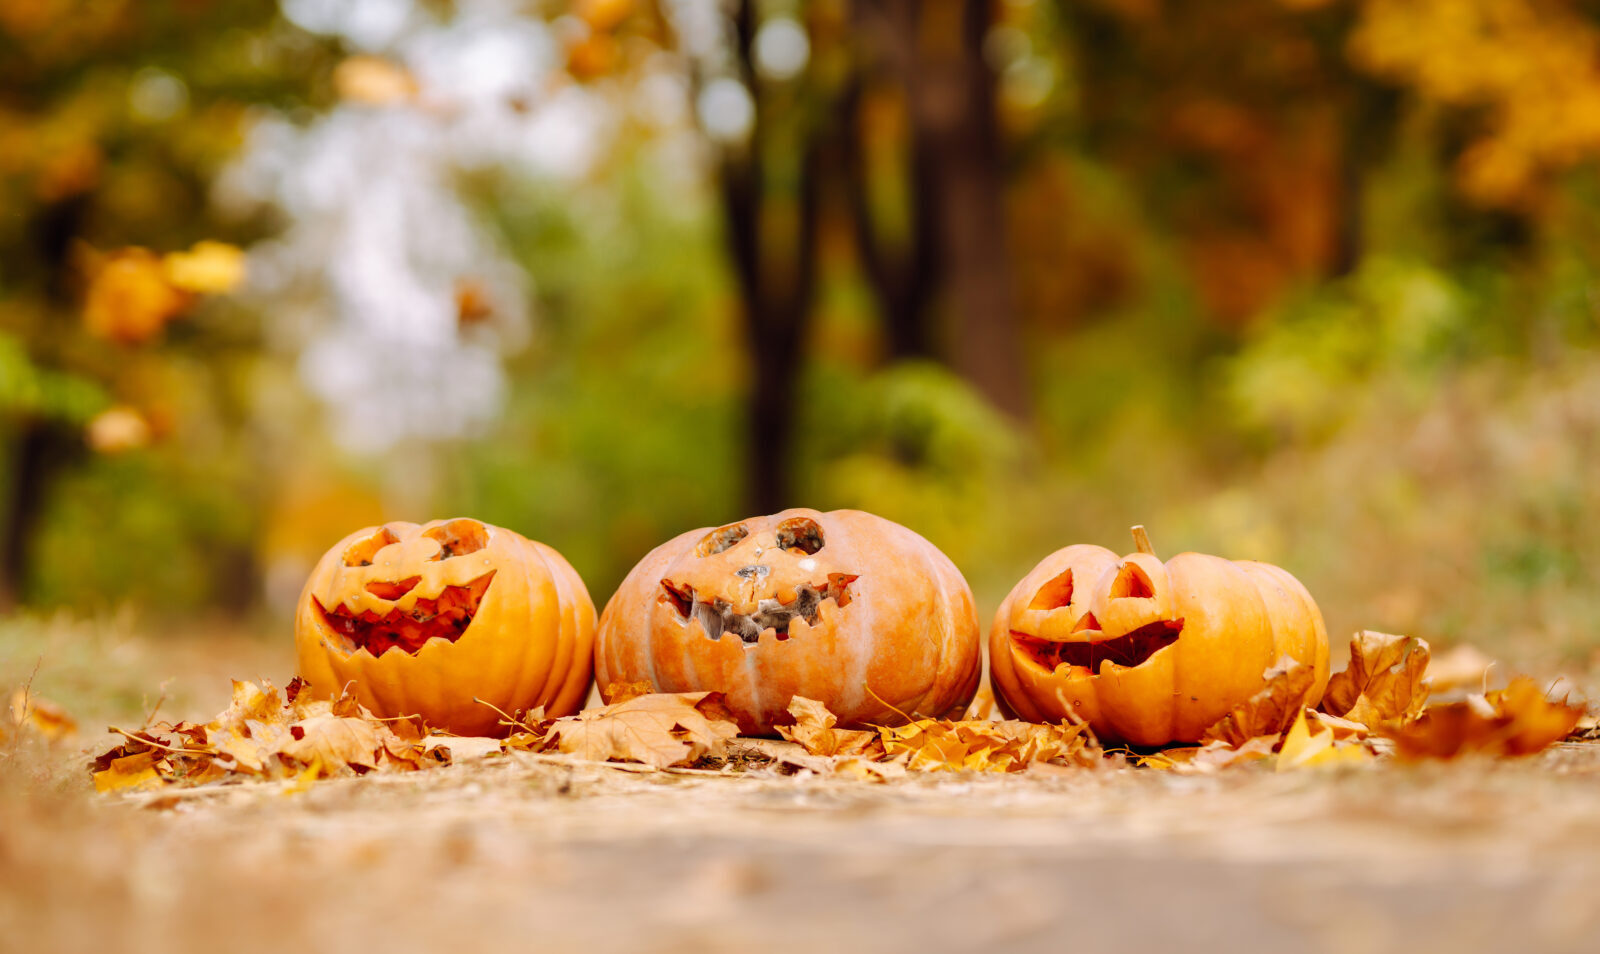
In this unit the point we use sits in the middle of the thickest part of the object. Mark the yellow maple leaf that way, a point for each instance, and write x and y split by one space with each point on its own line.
129 772
1303 748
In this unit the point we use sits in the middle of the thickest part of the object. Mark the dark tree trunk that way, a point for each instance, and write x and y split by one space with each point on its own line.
40 453
955 113
777 283
933 49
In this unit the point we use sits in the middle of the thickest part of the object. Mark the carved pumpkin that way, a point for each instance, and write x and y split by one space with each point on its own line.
844 607
1148 652
419 620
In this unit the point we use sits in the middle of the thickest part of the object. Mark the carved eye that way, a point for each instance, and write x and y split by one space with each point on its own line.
361 552
800 533
458 538
718 540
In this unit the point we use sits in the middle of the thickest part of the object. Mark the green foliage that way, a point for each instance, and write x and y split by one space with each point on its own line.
27 390
624 423
1315 358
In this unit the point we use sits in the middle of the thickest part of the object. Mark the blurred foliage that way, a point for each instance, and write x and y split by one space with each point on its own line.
1324 298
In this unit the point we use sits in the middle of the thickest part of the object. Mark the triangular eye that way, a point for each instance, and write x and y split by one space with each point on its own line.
361 552
1054 594
1132 583
458 538
721 539
800 533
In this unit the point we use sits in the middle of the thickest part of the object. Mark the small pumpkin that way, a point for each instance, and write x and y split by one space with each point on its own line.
1148 652
844 607
425 619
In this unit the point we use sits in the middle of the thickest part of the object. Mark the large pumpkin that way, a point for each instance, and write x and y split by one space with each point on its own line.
1148 652
844 607
423 620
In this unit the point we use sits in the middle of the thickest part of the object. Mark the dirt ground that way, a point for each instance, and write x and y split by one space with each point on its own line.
517 853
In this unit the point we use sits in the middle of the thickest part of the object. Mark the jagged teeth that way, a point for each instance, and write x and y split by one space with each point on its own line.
718 617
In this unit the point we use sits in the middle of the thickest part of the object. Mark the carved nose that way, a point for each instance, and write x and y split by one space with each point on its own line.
753 570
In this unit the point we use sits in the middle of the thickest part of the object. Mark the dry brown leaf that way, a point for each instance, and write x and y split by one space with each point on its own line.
869 770
1304 747
815 728
259 736
1517 720
1383 685
943 745
1189 760
37 714
660 730
335 740
1270 711
1341 728
458 748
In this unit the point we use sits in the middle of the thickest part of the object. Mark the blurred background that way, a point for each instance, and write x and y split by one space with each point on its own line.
1306 281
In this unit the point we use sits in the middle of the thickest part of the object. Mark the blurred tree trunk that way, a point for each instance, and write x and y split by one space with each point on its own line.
933 51
775 268
41 450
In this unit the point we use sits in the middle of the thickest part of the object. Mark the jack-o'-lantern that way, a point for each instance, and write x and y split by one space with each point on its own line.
427 619
844 607
1148 652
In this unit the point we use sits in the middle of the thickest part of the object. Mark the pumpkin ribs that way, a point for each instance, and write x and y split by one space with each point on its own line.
445 616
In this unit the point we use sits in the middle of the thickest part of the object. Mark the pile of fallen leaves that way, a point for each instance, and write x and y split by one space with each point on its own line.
1376 708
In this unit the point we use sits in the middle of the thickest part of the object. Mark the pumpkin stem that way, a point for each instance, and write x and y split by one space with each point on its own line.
1141 540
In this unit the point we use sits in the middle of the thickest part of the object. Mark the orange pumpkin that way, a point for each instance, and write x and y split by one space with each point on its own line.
844 607
420 620
1148 652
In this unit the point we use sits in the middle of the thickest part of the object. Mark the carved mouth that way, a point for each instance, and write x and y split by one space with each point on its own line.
717 616
1131 649
445 616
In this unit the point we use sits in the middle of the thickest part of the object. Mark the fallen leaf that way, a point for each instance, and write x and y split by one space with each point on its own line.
815 728
1271 710
1304 748
38 714
335 740
1341 728
129 771
457 748
1383 685
943 745
1517 720
659 730
1214 755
